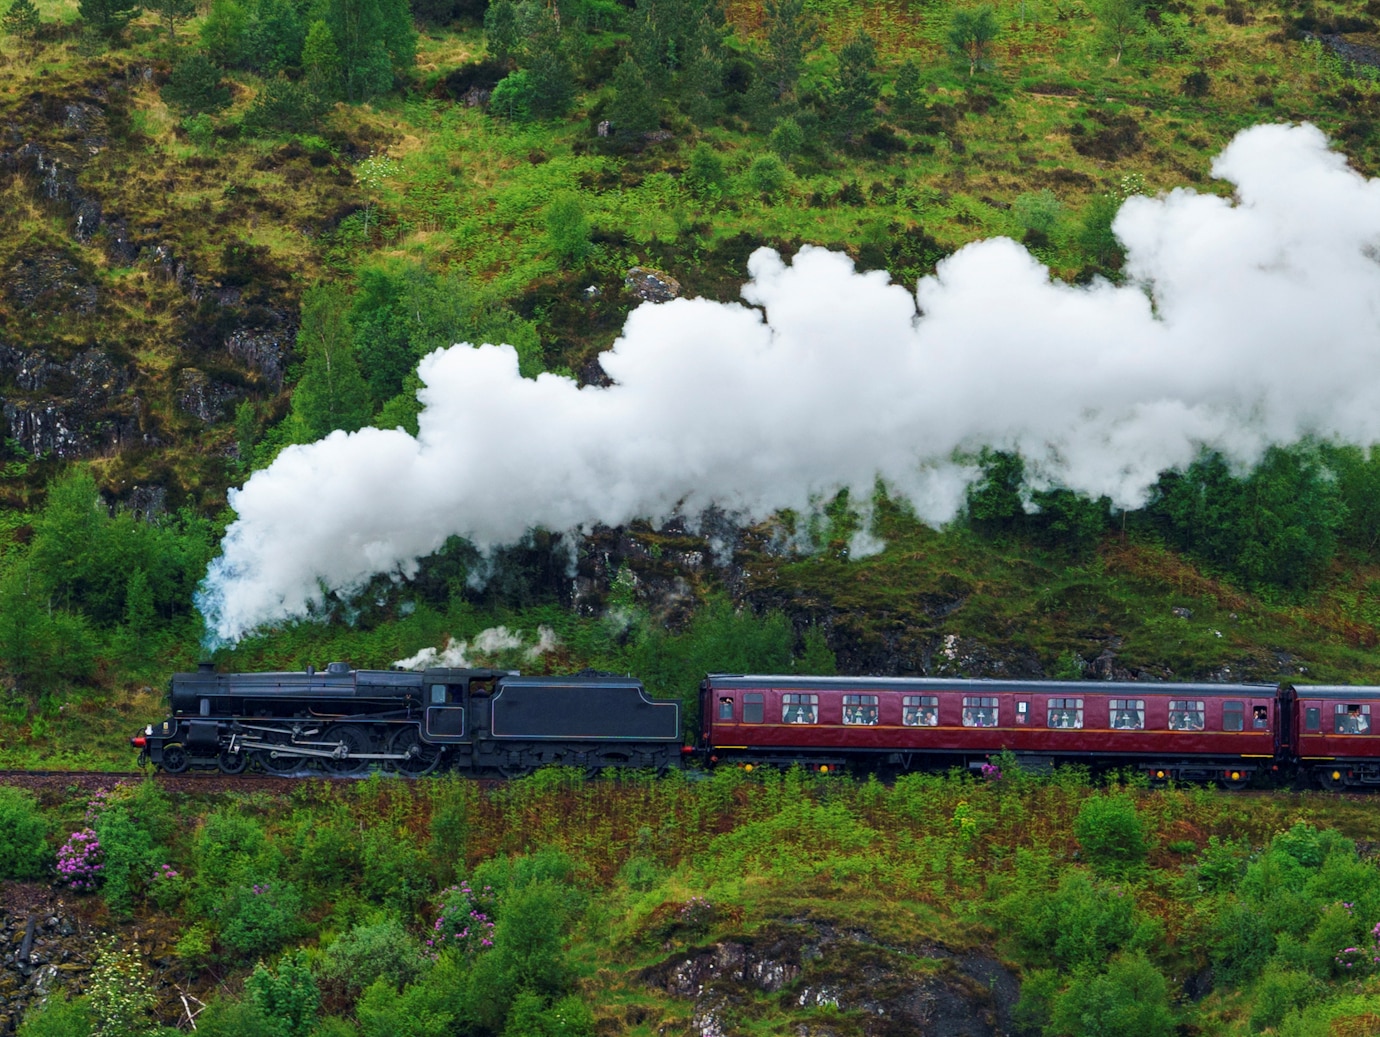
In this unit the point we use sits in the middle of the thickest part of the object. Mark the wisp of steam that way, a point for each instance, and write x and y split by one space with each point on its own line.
1244 321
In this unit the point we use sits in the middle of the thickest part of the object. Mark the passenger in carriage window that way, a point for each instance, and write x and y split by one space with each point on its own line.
1262 718
725 709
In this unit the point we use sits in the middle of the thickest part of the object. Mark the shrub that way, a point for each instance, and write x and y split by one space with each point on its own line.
704 175
259 917
23 835
288 995
120 993
531 1017
1110 831
1279 992
284 107
1039 989
568 229
513 97
57 1017
195 87
1239 944
372 951
1130 1000
1083 922
767 175
227 1017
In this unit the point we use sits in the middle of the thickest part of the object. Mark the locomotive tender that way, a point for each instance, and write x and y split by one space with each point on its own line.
497 722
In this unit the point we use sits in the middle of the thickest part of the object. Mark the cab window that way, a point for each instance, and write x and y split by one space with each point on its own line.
920 710
438 695
860 709
1351 718
753 707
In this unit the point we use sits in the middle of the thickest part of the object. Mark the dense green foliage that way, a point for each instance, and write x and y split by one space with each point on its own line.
23 836
534 919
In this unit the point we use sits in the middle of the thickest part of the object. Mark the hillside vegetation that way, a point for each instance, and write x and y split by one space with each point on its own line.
231 228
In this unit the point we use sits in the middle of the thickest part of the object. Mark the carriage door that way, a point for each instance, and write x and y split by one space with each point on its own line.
445 712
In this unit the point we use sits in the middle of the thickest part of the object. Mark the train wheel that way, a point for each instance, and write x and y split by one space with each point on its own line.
353 741
1331 778
1234 781
282 764
175 759
232 763
420 758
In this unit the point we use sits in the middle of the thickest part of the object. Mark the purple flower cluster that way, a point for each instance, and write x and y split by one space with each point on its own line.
79 863
696 914
1361 959
259 890
991 772
460 922
164 873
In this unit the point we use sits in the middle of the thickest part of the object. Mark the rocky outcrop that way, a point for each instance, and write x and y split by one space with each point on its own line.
807 964
73 408
203 397
43 946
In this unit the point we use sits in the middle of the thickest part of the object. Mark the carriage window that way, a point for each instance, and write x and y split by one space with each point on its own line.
1128 714
1233 716
1065 712
920 710
1262 718
1022 712
1312 719
979 711
799 709
725 709
1186 715
860 709
1351 719
753 708
438 694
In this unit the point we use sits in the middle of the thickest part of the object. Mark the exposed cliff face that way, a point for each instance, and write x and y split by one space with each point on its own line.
113 342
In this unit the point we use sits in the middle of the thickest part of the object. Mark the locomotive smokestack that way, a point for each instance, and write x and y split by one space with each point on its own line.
1243 322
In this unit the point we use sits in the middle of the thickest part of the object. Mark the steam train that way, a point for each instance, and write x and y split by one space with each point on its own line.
497 722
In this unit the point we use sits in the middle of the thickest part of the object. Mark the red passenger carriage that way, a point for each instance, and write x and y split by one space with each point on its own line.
1186 731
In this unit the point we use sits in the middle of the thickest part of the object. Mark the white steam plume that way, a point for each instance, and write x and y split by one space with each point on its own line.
1243 322
486 644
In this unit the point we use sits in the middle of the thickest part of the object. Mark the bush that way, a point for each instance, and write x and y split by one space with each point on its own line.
1110 831
57 1017
767 175
1130 1000
513 97
23 836
259 917
531 1017
284 107
568 229
1279 992
195 87
288 995
1239 944
704 175
1081 923
373 951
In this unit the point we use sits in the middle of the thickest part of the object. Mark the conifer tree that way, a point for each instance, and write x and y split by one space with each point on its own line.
375 40
548 69
501 31
107 18
853 94
633 110
194 86
321 61
332 393
173 11
792 32
21 21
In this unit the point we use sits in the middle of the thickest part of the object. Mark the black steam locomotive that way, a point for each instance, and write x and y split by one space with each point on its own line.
344 721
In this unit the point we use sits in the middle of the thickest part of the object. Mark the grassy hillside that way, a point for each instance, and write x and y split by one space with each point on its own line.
155 263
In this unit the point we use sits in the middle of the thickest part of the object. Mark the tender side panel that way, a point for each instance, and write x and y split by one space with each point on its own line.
579 710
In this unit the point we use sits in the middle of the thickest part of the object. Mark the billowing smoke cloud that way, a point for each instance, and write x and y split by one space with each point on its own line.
486 645
1243 322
